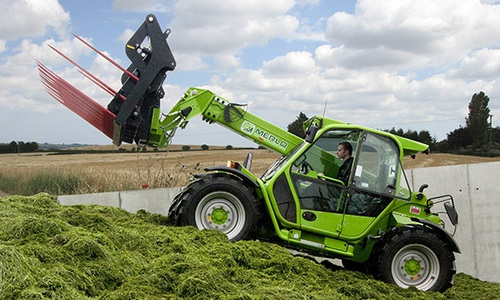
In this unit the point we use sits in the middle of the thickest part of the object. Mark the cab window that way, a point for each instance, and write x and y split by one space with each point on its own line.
314 174
376 176
377 165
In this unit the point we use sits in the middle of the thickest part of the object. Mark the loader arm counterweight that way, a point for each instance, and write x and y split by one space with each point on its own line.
215 109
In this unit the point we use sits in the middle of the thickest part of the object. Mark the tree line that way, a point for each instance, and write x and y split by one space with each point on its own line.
476 137
18 147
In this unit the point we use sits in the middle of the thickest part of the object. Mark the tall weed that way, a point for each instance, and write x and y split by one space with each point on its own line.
58 181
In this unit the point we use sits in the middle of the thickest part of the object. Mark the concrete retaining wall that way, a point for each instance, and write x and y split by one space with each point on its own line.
475 189
152 200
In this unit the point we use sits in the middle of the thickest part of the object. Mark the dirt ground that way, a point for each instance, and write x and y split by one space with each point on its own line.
444 159
131 162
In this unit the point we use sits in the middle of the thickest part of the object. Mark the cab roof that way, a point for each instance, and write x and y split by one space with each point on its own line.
410 147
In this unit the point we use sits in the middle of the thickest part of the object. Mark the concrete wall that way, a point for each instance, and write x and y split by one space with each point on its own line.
474 187
152 200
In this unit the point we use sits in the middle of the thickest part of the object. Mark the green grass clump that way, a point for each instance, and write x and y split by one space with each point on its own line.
48 251
47 181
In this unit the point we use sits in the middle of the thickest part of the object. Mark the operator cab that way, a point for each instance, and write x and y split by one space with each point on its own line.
373 180
323 200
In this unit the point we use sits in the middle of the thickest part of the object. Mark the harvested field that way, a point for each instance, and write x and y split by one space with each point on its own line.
444 159
128 170
124 171
132 163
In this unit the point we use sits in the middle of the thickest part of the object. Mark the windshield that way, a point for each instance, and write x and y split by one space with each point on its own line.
278 163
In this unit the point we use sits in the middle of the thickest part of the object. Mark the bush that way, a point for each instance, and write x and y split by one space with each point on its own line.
229 147
204 147
186 148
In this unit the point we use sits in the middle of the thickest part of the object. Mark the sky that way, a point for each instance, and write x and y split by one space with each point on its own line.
410 64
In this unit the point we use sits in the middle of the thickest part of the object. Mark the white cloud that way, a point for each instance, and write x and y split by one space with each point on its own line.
438 31
483 63
125 36
382 98
227 61
3 45
389 59
143 5
308 2
225 27
29 18
290 65
189 62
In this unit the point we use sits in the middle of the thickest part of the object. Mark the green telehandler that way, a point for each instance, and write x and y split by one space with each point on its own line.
372 221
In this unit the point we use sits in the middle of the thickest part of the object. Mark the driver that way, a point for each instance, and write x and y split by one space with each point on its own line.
344 152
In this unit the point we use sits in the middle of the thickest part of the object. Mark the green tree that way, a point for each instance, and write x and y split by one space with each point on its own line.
477 120
204 147
31 147
297 126
422 136
496 135
425 137
399 132
459 138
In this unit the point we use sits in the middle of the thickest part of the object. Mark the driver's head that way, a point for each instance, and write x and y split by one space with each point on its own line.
344 150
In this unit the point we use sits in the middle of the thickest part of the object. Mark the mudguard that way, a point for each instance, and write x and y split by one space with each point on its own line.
443 233
236 172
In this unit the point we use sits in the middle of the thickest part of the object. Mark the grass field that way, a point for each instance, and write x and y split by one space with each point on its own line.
103 172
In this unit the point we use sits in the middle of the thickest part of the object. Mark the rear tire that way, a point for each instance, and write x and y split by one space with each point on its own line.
416 257
218 202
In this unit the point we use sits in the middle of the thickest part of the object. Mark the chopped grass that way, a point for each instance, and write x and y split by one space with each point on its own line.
95 252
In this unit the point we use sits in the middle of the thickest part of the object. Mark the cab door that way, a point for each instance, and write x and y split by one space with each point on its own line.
326 205
321 196
373 184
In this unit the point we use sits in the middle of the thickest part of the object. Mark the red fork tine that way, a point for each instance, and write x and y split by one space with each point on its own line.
107 58
81 104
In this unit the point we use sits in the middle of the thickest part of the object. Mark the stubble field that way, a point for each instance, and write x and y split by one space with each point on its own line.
132 170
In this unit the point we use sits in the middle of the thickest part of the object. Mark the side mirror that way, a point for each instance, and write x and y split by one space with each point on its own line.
420 196
247 163
422 188
311 133
452 213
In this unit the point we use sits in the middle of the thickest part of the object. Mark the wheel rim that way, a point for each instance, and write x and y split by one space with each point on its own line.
221 211
415 265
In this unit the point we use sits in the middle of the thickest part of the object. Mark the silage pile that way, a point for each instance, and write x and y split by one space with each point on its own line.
96 252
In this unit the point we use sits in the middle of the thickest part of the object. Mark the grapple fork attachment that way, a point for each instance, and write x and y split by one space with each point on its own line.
149 64
129 115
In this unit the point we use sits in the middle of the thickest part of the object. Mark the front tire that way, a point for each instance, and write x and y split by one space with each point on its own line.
218 202
417 257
